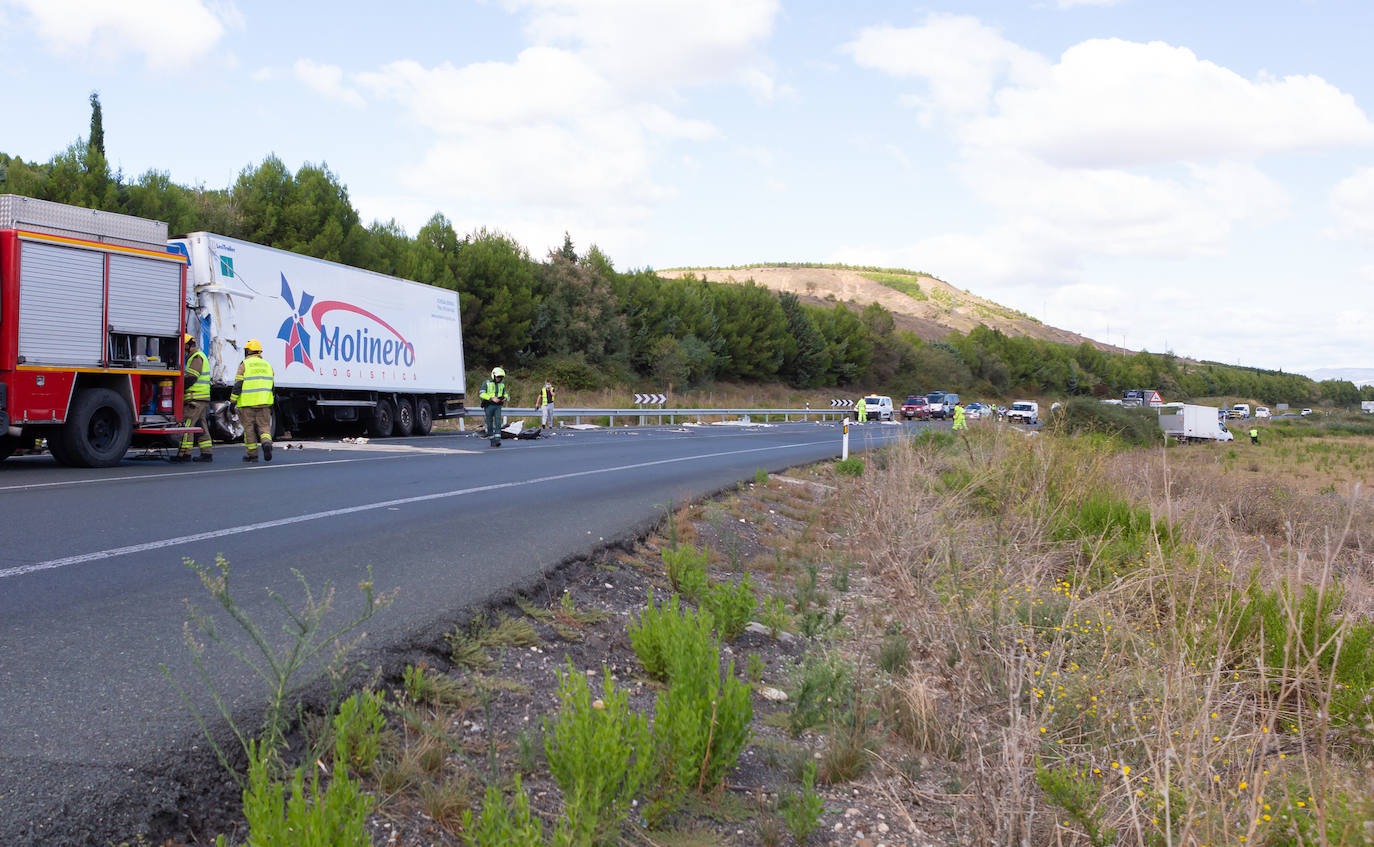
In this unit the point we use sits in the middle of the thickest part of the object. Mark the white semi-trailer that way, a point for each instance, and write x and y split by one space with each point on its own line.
1185 422
346 344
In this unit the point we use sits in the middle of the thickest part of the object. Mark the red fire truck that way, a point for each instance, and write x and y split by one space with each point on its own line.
91 321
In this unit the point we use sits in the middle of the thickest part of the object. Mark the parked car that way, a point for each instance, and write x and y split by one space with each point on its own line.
977 410
1262 413
879 407
916 408
1306 412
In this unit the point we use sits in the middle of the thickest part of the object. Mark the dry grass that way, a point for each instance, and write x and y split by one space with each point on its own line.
1091 688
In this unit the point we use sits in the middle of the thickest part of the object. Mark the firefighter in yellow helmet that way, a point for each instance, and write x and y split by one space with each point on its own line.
253 397
493 395
195 404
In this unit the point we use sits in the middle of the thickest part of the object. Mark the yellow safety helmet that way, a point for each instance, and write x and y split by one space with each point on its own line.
187 338
253 346
497 372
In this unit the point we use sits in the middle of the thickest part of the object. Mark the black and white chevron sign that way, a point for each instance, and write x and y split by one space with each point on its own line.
841 404
650 399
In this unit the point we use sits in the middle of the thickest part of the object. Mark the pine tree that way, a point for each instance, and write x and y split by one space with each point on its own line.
97 140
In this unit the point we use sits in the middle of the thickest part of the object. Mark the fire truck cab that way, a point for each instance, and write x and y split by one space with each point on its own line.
92 312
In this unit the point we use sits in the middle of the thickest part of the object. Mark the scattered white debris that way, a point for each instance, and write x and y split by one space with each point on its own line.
768 692
742 422
583 426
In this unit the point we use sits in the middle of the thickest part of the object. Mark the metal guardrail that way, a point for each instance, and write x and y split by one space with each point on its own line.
644 414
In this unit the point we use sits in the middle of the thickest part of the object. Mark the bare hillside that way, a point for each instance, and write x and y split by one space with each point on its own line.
920 303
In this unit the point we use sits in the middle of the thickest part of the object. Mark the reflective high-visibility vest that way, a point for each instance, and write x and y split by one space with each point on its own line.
493 390
257 383
545 396
198 366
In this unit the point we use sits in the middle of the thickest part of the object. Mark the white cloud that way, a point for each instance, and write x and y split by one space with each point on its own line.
166 33
961 60
665 43
1069 4
1352 206
327 81
1113 103
568 134
1116 150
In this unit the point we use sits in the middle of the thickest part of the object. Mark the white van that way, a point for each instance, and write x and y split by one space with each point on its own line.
879 407
1025 411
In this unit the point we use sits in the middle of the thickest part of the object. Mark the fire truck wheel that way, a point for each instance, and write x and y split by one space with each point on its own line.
424 416
98 429
405 418
383 418
57 446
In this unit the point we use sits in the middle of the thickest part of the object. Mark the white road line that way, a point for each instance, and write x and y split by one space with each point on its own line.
184 474
367 507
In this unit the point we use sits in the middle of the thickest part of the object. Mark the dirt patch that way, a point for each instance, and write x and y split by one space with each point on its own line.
944 308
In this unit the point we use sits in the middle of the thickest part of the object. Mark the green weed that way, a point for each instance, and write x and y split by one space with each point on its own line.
731 605
663 633
686 568
598 754
358 731
801 811
853 466
311 816
286 670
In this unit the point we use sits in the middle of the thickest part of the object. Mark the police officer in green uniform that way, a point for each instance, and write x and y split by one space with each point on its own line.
195 404
493 396
253 397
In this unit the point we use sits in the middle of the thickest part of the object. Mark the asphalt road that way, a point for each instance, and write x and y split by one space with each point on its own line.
95 743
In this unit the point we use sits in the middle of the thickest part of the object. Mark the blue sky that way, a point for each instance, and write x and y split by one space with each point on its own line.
1196 177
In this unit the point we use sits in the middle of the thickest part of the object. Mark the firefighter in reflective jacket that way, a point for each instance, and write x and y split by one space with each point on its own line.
196 404
493 396
253 397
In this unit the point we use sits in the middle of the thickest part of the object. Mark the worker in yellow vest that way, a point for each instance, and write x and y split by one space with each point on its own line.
862 409
546 404
493 395
959 421
195 404
253 397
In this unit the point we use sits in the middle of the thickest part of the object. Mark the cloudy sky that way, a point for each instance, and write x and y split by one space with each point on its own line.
1185 176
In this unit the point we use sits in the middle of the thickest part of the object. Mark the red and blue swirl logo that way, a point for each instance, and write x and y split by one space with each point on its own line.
361 345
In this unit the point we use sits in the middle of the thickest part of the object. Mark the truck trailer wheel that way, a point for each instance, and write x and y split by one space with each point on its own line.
99 429
8 444
424 416
382 420
405 417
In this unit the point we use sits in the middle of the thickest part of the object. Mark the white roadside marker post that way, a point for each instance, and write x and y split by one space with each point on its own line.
844 449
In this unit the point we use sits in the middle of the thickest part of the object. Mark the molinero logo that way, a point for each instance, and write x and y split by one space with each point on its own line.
360 346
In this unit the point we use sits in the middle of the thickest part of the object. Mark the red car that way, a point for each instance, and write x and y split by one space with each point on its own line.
915 408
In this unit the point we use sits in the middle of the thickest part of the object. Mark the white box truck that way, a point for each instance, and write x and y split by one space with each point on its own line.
1185 422
345 344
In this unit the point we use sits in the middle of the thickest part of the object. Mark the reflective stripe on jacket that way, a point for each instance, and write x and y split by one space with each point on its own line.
493 390
197 368
254 384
